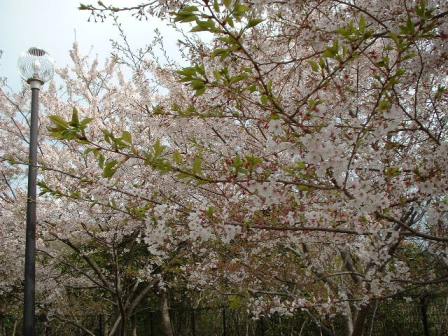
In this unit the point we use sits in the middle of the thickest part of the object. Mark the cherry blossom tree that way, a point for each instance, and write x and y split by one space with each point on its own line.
323 149
298 163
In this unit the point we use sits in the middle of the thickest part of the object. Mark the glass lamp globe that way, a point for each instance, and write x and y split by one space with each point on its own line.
36 64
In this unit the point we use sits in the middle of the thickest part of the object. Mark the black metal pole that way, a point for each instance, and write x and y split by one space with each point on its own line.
30 245
193 323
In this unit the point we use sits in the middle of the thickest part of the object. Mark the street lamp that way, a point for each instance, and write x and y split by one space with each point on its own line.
36 67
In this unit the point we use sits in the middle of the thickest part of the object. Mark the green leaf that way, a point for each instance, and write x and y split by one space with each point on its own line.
161 165
423 11
220 52
314 66
75 195
44 189
322 63
190 9
441 90
110 168
127 137
384 62
400 72
227 3
158 148
208 25
230 40
200 69
332 51
94 150
300 165
264 99
409 28
108 136
188 18
186 14
197 84
75 118
177 157
253 22
197 166
252 161
238 78
183 176
217 75
362 24
200 92
85 122
252 88
384 105
187 72
240 10
349 31
58 121
101 160
210 212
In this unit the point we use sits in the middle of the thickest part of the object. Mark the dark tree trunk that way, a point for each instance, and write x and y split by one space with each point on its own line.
358 325
100 325
424 311
193 323
166 320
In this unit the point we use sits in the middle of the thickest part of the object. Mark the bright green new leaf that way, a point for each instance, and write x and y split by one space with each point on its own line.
186 14
197 84
75 118
264 99
197 166
110 168
177 157
253 22
85 122
158 148
127 137
208 25
240 10
314 66
58 121
362 24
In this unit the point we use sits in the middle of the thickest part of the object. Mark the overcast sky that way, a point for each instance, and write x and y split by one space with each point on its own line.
51 25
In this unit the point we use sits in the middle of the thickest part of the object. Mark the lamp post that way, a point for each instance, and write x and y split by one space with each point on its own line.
36 67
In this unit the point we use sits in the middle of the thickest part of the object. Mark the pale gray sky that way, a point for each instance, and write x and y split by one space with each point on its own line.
50 25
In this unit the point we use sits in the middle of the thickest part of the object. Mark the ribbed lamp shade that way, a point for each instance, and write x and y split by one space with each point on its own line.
36 64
